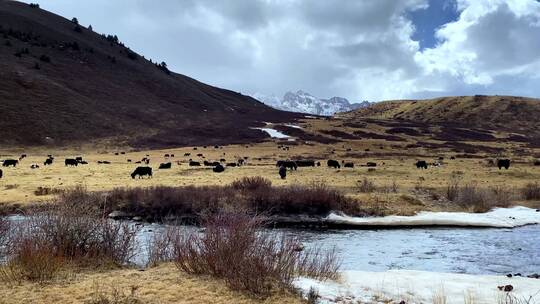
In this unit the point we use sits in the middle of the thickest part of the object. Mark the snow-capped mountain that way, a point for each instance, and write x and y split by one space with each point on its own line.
303 102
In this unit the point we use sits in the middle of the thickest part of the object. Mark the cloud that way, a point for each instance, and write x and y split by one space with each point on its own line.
351 48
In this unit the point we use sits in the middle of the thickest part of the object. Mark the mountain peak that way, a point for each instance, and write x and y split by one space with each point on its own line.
304 102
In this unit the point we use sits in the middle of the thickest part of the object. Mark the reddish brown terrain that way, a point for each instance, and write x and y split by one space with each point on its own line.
62 83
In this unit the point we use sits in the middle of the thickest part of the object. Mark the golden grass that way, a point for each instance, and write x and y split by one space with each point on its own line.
163 284
19 185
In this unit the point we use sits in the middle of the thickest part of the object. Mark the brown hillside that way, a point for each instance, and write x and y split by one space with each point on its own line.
62 83
499 113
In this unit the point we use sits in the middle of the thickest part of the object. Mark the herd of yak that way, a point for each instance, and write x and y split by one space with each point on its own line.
218 167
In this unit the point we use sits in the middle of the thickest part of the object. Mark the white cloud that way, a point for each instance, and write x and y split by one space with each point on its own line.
490 40
352 48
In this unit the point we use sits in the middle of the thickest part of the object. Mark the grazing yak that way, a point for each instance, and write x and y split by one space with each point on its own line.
10 162
305 163
371 164
421 164
23 156
282 172
34 166
241 162
289 164
165 165
1 173
503 163
142 171
194 164
104 162
187 154
48 161
71 162
218 169
333 164
231 165
348 165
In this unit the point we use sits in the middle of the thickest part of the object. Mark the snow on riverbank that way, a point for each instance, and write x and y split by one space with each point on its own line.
497 218
417 287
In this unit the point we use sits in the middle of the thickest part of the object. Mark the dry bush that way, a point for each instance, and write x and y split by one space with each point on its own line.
63 236
478 199
114 296
531 191
234 249
41 191
159 247
254 195
366 186
32 260
314 199
251 183
5 226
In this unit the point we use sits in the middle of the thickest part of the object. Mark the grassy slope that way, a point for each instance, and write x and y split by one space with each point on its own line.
81 94
508 113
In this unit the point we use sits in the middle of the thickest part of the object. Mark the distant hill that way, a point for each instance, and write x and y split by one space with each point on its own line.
303 102
62 83
497 113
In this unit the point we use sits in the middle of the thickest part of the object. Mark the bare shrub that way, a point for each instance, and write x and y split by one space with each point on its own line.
63 236
33 260
531 191
5 226
478 199
159 247
452 190
234 249
41 191
366 186
114 296
251 183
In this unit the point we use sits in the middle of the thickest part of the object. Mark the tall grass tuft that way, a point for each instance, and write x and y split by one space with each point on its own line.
531 191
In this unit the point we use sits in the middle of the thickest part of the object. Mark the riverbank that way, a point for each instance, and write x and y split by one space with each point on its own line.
163 284
423 287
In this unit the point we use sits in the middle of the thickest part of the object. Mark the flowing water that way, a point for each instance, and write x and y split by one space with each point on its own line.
456 250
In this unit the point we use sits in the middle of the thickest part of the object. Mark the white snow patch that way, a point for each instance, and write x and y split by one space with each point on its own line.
273 133
294 126
497 218
417 287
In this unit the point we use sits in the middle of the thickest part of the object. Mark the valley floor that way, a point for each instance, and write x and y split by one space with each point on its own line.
395 186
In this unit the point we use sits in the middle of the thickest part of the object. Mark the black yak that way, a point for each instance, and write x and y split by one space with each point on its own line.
10 162
503 163
305 163
348 165
71 162
218 169
142 171
421 164
333 164
194 164
165 166
282 172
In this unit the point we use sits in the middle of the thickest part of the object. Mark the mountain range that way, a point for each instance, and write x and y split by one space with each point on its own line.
304 102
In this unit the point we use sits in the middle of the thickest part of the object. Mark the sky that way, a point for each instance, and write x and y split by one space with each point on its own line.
358 49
